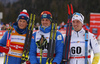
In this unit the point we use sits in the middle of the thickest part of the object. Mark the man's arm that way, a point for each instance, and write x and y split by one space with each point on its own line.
96 50
4 39
32 52
59 48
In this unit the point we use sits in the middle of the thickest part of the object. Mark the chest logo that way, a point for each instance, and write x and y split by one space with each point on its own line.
78 41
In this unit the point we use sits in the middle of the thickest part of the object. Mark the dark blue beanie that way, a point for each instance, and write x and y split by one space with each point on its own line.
46 14
23 15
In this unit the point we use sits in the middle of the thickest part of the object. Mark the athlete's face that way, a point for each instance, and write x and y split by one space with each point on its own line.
22 23
77 25
45 22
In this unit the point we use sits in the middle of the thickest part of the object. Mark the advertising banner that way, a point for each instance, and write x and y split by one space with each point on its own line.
95 24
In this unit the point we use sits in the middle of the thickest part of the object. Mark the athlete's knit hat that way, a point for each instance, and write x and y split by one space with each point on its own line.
78 16
46 14
23 15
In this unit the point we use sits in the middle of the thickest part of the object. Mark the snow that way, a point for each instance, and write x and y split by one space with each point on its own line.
1 60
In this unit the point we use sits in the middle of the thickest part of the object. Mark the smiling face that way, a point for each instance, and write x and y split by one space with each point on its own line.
77 25
22 24
45 22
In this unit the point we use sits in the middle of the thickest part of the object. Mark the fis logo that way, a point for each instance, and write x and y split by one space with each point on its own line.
78 41
76 15
22 39
44 15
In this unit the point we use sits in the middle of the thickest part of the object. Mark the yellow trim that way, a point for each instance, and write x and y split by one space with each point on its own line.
96 58
47 62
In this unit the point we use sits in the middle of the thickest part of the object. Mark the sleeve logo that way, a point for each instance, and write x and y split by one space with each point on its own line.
59 37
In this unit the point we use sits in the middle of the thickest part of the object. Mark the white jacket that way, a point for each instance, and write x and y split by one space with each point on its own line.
77 47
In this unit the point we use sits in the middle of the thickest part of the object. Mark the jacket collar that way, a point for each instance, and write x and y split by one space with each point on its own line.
45 30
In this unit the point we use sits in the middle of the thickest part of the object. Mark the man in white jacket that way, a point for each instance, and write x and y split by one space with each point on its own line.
77 47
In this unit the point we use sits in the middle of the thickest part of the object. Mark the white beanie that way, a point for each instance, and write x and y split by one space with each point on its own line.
78 16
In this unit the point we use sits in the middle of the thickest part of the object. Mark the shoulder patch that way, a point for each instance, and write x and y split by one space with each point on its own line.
59 37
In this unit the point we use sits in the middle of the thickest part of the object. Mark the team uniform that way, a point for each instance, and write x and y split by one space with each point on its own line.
77 48
17 41
35 51
16 46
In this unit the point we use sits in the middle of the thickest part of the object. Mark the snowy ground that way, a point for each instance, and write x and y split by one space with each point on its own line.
1 60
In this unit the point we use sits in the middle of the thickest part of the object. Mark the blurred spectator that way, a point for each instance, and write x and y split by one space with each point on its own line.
3 27
37 26
62 26
86 26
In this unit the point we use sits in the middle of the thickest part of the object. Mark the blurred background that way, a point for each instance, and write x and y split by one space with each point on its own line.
12 8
